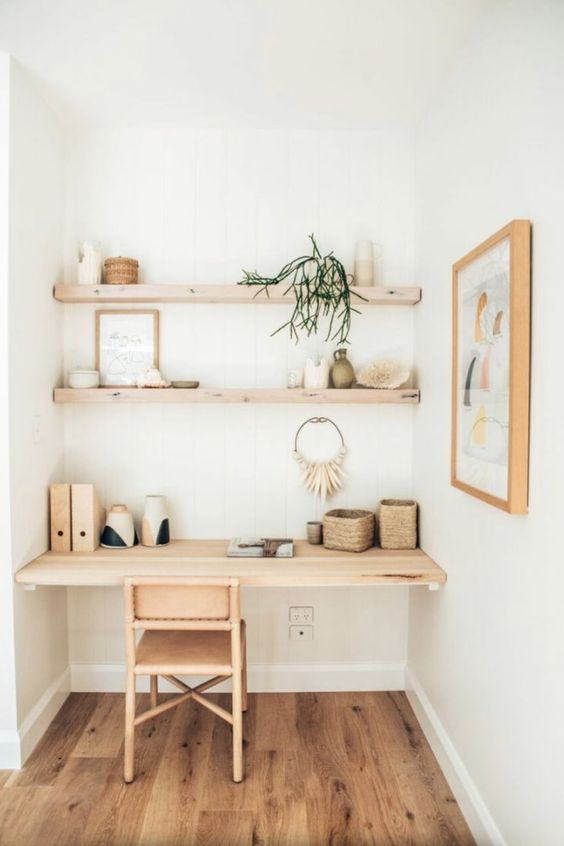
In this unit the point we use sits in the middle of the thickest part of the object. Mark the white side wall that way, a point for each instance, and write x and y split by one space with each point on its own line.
488 650
198 207
36 357
9 740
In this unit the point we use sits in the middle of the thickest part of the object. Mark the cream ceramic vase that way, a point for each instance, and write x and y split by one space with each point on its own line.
119 530
316 376
155 529
366 254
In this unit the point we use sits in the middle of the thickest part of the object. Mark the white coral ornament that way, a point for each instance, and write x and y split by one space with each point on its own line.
322 478
152 378
383 373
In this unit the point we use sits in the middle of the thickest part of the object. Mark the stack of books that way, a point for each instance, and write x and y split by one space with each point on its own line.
261 548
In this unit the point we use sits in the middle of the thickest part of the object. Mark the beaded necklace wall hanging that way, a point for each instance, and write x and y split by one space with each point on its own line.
322 478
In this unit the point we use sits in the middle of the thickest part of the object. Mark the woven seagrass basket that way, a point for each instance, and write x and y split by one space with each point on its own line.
348 529
398 524
121 271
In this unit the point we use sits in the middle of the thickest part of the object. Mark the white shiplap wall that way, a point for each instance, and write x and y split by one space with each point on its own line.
197 207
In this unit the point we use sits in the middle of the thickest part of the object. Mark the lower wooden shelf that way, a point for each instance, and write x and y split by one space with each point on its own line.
352 396
311 565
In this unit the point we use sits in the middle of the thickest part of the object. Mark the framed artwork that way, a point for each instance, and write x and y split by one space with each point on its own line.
127 343
490 369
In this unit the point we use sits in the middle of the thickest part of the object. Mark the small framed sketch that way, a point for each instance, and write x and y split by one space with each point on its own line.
127 343
490 369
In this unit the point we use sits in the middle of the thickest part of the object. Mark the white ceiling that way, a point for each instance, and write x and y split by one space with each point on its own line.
302 63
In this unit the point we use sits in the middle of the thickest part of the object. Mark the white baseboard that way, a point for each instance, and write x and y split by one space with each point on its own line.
41 715
476 813
10 753
17 746
263 678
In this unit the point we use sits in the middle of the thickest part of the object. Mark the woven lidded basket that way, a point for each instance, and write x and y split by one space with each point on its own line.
121 271
348 529
398 524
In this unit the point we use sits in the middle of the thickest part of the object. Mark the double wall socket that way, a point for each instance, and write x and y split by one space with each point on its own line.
301 615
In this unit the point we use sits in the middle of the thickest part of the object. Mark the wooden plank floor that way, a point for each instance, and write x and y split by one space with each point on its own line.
321 768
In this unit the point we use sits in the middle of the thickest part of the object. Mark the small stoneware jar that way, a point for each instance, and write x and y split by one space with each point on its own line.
155 529
119 531
314 532
342 371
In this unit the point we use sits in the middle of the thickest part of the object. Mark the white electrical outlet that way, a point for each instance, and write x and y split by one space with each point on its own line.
36 430
301 632
301 615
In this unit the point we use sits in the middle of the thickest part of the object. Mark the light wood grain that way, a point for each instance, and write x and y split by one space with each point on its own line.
60 517
180 780
348 768
218 294
311 565
122 808
102 735
351 396
57 745
87 518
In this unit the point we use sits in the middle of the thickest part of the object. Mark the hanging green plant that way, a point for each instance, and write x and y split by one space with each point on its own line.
321 289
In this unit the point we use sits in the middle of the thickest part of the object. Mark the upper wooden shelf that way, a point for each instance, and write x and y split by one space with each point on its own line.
311 565
350 396
216 294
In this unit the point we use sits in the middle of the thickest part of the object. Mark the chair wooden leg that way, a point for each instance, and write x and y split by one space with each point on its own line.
237 728
129 753
237 704
154 691
244 664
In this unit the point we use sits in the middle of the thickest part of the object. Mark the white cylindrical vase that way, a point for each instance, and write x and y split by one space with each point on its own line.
155 530
316 374
119 530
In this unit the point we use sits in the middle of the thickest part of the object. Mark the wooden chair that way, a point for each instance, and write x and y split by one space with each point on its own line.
191 626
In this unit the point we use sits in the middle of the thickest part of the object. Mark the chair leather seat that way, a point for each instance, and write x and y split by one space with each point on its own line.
197 652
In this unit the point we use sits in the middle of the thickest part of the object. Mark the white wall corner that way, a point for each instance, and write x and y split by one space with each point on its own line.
10 750
263 678
476 813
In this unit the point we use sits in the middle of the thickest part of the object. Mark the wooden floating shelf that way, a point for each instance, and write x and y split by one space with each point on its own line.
216 294
351 396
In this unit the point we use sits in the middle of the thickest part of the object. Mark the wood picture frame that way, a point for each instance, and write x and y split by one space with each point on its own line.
127 343
491 295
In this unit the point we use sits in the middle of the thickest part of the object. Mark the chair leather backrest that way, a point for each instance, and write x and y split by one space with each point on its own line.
181 602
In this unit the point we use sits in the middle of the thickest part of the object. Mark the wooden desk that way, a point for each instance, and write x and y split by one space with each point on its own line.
311 565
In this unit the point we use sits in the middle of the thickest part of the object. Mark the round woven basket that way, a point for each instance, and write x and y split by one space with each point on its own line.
121 271
348 529
398 524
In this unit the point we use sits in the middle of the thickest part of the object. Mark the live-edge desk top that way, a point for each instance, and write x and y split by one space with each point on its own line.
311 565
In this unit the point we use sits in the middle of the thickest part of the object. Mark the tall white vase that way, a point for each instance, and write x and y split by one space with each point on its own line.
316 376
365 256
155 530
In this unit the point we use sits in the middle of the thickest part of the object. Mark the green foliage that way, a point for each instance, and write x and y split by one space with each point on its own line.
321 289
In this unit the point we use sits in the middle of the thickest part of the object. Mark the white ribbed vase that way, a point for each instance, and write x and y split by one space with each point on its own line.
155 529
316 376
